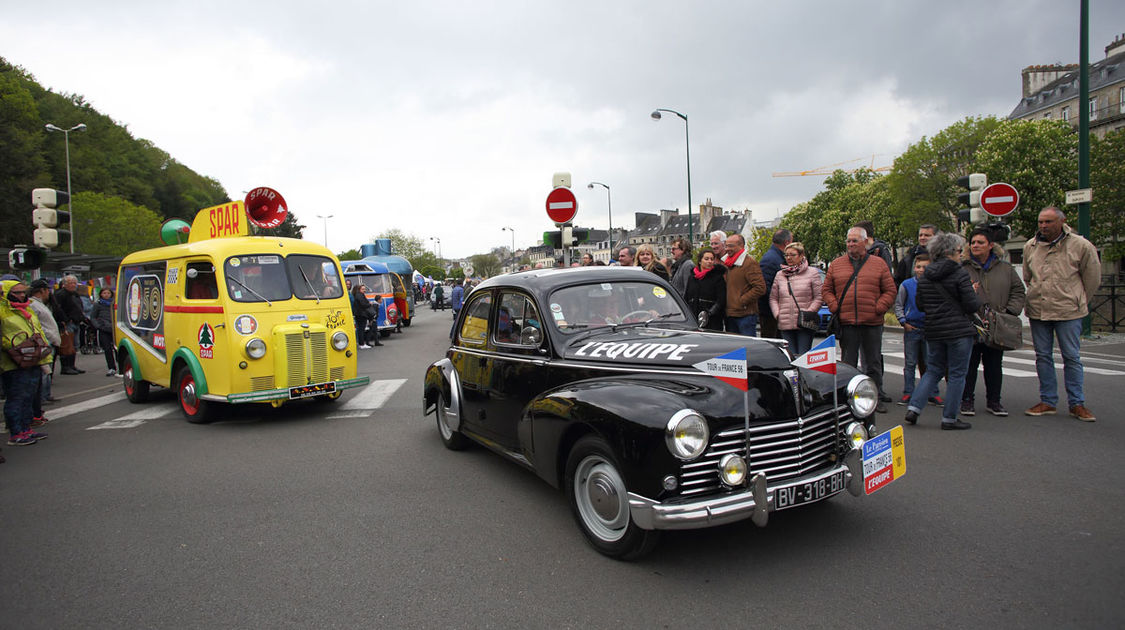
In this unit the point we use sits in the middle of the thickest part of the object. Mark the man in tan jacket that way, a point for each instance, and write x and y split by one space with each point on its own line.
1062 272
745 285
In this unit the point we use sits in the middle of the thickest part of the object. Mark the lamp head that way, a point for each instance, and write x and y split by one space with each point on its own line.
590 186
51 127
79 127
656 115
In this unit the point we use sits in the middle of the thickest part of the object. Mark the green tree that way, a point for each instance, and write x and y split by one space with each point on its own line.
1107 178
289 228
433 272
485 265
351 254
1039 158
406 245
759 243
21 162
112 226
456 273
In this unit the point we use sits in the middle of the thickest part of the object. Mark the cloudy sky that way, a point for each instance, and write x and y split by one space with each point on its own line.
448 119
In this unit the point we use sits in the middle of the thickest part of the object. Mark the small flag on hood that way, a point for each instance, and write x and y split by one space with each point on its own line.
729 368
822 357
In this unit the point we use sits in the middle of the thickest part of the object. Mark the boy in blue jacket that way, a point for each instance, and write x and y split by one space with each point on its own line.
913 322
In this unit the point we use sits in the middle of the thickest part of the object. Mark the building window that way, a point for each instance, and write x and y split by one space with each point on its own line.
1047 115
1094 108
1066 114
1121 100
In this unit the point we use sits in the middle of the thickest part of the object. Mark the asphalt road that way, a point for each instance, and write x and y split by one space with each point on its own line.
353 515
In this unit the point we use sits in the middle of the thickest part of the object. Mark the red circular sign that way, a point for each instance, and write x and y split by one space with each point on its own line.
999 199
561 205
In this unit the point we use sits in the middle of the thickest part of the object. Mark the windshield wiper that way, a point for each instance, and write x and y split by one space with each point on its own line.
308 284
664 316
256 294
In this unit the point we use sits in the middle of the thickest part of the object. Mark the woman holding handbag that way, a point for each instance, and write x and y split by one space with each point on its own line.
706 292
795 300
25 350
1000 288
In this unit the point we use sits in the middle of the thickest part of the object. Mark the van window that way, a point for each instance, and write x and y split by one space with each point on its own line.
375 282
270 277
313 277
200 283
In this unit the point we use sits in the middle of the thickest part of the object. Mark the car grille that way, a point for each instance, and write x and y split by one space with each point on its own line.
781 450
305 359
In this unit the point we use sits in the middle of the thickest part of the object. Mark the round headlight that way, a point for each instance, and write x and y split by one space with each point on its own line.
339 340
255 348
856 434
732 470
863 396
686 434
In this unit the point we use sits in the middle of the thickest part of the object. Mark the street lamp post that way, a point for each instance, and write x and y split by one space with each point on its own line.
438 243
70 202
513 252
325 217
609 204
687 145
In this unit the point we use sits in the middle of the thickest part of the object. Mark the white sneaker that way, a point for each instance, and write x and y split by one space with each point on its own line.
111 373
365 347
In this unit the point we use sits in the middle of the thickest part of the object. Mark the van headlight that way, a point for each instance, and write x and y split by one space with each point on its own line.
339 340
686 434
863 396
255 348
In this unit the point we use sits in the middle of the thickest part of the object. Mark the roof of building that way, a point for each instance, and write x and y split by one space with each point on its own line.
1102 73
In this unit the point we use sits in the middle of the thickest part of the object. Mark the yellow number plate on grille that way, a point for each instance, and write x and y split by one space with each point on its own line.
304 391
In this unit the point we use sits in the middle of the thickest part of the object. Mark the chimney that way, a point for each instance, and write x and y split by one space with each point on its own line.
1117 46
1035 78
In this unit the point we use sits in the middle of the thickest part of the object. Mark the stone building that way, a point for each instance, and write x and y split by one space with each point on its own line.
1051 92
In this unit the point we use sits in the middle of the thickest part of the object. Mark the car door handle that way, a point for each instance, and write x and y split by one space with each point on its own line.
539 363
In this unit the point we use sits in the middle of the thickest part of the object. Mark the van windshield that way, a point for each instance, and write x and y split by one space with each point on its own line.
270 277
375 282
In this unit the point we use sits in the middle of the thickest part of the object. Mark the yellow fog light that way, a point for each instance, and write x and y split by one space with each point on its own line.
732 470
857 434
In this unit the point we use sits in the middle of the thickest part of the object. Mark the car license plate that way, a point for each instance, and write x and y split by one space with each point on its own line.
791 496
304 391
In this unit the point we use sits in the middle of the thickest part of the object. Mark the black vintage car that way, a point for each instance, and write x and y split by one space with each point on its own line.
586 377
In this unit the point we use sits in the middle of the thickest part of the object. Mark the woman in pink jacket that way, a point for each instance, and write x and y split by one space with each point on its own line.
796 288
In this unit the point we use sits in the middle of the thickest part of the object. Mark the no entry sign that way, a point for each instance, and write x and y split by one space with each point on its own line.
999 199
561 205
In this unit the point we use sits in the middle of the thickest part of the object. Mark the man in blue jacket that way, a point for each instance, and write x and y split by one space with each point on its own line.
771 263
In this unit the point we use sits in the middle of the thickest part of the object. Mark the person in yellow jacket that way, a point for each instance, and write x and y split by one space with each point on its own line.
21 384
1062 272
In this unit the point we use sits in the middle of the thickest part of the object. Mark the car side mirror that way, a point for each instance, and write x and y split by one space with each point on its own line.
530 336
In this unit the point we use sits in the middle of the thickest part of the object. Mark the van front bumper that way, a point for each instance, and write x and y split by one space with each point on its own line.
283 393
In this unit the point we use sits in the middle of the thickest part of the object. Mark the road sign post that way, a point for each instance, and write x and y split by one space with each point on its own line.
562 205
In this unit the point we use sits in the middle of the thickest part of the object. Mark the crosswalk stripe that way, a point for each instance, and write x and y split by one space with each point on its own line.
374 395
137 418
85 405
1008 371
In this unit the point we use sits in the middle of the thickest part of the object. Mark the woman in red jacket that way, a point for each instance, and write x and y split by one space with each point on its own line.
796 288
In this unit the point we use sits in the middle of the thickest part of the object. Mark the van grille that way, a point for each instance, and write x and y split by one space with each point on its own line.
781 450
261 383
306 357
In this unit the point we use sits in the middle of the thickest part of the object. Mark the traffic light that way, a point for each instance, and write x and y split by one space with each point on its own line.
26 257
47 217
974 183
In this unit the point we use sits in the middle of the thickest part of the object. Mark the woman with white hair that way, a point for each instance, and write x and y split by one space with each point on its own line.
946 295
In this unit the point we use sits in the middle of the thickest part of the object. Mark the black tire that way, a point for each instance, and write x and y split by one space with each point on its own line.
195 409
447 425
329 398
137 391
384 333
406 322
599 501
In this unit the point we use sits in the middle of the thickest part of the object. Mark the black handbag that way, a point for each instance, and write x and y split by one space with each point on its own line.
809 320
1002 331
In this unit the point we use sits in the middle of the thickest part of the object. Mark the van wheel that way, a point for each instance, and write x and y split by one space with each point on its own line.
329 398
406 322
196 410
600 502
384 333
137 391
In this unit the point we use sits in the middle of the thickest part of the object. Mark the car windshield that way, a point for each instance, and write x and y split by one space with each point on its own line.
612 303
270 277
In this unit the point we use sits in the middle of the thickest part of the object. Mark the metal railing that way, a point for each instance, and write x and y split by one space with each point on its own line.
1107 308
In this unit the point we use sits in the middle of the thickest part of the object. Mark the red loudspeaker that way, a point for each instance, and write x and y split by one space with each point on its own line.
266 207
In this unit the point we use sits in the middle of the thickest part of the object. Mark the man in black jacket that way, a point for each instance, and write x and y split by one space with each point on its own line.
69 317
905 268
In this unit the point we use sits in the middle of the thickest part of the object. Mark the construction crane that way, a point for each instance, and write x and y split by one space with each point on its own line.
831 168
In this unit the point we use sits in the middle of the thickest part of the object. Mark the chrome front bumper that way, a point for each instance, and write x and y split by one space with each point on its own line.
755 501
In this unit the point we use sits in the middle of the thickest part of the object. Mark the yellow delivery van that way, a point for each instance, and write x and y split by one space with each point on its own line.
229 318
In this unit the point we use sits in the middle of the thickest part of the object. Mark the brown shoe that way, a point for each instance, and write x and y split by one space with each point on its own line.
1040 409
1082 413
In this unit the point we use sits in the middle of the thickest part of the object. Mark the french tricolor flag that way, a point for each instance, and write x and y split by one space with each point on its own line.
822 357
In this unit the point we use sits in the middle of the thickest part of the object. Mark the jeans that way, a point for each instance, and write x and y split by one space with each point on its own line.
747 325
913 349
800 340
1068 333
864 342
951 358
993 360
21 386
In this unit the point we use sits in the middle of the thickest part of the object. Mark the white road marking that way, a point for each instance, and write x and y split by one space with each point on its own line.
86 405
370 398
1011 371
137 418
